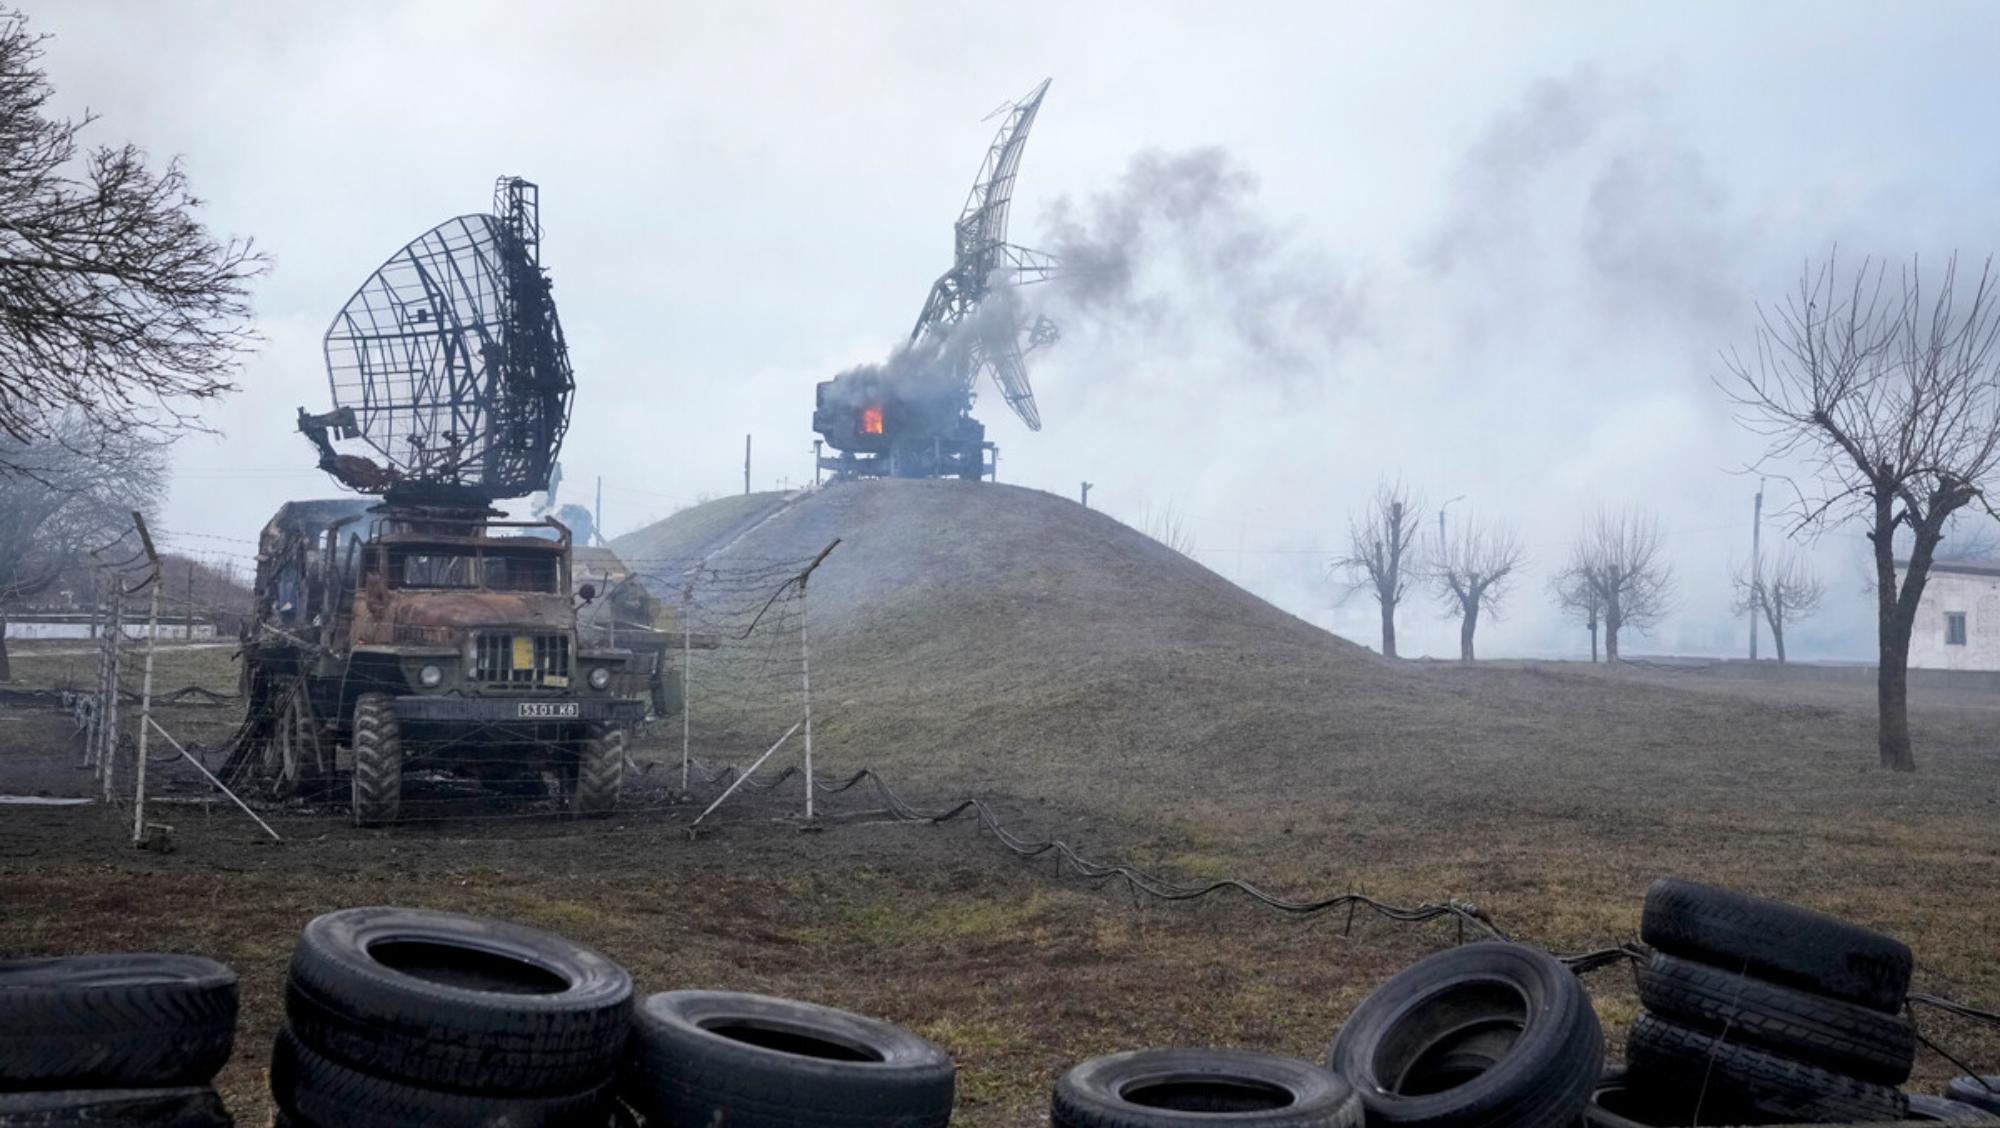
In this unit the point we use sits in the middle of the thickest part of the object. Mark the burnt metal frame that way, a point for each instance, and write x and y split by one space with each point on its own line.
453 361
983 260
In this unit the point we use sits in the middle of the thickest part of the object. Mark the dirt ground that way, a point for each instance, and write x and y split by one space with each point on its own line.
1579 787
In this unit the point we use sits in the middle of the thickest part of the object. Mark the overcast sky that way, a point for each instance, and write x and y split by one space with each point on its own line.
1491 250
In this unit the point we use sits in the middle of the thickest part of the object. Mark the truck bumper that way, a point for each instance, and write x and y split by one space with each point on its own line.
507 710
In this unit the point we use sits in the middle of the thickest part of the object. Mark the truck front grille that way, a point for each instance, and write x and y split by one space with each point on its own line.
512 659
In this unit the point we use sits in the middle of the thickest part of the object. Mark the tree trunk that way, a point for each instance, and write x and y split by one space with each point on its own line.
1467 624
1388 629
1593 639
6 666
1892 688
1892 628
1778 638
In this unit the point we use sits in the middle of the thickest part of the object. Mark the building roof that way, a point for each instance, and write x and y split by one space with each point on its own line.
1959 567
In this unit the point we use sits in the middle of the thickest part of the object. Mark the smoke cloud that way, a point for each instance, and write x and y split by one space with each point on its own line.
1179 246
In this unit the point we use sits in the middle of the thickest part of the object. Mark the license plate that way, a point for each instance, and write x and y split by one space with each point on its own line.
550 709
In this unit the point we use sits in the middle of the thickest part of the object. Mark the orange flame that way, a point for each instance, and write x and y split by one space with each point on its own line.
871 419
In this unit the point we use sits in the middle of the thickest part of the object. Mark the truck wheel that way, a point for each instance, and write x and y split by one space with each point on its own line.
378 761
600 771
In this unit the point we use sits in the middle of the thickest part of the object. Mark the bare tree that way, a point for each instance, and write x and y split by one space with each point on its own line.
1783 592
1579 600
1618 568
114 301
1170 528
1472 571
1888 397
1382 553
63 497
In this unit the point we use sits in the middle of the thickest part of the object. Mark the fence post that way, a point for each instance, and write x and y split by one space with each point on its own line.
157 581
687 669
108 753
805 669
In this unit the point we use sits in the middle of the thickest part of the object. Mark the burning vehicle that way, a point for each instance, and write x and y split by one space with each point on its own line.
911 417
422 630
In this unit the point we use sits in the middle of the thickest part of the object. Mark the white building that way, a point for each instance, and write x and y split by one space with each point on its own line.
1958 620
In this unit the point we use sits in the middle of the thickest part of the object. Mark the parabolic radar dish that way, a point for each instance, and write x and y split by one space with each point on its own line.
448 364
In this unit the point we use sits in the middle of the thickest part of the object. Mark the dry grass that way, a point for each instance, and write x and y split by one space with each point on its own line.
1104 690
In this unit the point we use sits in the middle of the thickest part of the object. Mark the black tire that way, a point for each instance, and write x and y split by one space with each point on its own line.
378 761
193 1106
1179 1088
125 1021
1616 1103
1841 1036
458 1002
750 1061
1666 1058
314 1089
1772 940
1431 1046
1924 1107
600 771
1979 1092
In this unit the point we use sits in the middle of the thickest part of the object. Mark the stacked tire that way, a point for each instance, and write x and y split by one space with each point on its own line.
114 1041
399 1017
1768 1012
752 1061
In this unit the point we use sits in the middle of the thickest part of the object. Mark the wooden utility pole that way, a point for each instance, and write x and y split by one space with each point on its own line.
746 464
1086 495
597 518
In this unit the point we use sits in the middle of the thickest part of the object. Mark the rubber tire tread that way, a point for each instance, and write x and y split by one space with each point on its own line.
1944 1110
378 761
60 1030
1841 1036
680 1073
600 772
1968 1090
313 1089
186 1106
1544 1081
1669 1058
343 1004
1087 1095
1786 944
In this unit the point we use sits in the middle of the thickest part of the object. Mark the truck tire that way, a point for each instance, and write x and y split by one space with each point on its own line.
1481 1034
750 1061
1776 941
127 1021
1176 1088
1840 1036
378 761
195 1106
314 1089
458 1002
1664 1057
600 771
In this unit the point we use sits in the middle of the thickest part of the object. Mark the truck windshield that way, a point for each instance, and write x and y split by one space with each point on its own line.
493 571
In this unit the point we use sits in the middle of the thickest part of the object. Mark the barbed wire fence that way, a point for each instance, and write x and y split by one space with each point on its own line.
721 664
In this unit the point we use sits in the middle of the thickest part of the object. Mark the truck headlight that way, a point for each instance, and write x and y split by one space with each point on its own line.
600 677
430 677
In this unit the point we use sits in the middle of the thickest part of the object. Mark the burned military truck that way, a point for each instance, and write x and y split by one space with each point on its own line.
421 630
429 640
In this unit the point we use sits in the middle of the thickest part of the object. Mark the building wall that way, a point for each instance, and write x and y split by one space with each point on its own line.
1979 598
34 628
